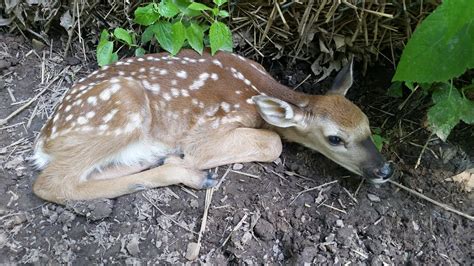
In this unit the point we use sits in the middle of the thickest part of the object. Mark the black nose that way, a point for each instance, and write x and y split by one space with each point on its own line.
385 172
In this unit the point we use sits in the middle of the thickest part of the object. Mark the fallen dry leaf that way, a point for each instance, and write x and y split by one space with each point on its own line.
466 179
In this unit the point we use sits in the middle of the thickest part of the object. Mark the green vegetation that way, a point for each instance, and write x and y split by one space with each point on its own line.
440 50
171 25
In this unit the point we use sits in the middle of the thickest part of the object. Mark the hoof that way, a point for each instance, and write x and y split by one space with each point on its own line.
209 181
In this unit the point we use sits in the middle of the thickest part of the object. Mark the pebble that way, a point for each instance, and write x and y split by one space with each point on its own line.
132 246
373 198
237 166
339 223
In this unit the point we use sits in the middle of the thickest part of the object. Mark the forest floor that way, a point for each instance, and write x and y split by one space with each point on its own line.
301 208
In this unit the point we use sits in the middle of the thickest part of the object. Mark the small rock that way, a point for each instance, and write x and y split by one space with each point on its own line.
194 203
416 227
246 237
373 198
237 166
192 252
264 229
132 246
339 223
330 238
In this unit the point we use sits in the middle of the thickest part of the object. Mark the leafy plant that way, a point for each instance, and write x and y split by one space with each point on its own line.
172 24
440 50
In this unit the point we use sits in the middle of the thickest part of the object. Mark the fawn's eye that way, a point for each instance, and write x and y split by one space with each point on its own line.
335 140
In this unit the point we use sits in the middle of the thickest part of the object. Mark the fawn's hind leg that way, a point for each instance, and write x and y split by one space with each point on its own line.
59 189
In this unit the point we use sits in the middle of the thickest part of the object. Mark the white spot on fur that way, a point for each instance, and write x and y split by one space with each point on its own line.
174 92
250 101
214 76
68 108
105 95
185 93
198 83
182 74
109 115
163 72
238 92
69 117
174 82
166 96
82 120
217 63
90 114
225 107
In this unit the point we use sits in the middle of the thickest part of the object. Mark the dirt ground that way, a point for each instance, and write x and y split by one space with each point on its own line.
260 213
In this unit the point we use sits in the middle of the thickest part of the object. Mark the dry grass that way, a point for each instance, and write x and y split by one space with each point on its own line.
312 30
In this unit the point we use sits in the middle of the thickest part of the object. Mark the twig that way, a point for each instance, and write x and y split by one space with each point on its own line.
245 174
197 247
168 216
350 195
234 229
439 204
313 188
418 161
334 208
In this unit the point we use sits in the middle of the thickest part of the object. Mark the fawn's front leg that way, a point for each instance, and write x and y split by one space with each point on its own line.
237 145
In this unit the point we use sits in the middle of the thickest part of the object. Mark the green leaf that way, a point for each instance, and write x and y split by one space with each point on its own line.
198 7
378 141
215 11
183 8
219 2
467 114
223 14
139 52
123 35
195 34
163 35
146 15
220 37
441 48
104 53
114 57
104 37
178 32
148 33
167 9
395 90
447 111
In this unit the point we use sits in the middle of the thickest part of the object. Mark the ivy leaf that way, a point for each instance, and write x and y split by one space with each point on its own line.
146 15
178 32
219 2
167 9
123 35
139 52
195 34
104 53
163 35
441 48
198 7
220 37
447 111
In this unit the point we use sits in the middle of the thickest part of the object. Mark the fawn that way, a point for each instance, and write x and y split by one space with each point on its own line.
159 120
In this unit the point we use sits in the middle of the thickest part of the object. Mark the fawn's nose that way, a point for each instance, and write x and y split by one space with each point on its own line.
384 172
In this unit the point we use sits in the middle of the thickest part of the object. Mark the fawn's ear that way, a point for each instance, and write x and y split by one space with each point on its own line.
343 80
277 112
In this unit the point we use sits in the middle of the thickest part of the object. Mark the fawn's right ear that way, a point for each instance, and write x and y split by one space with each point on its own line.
343 80
277 112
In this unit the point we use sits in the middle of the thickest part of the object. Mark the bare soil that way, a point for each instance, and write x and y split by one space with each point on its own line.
259 214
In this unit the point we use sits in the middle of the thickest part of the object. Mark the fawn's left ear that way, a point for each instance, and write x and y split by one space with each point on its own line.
277 112
343 80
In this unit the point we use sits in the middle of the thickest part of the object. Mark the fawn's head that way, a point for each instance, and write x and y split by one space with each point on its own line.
331 125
